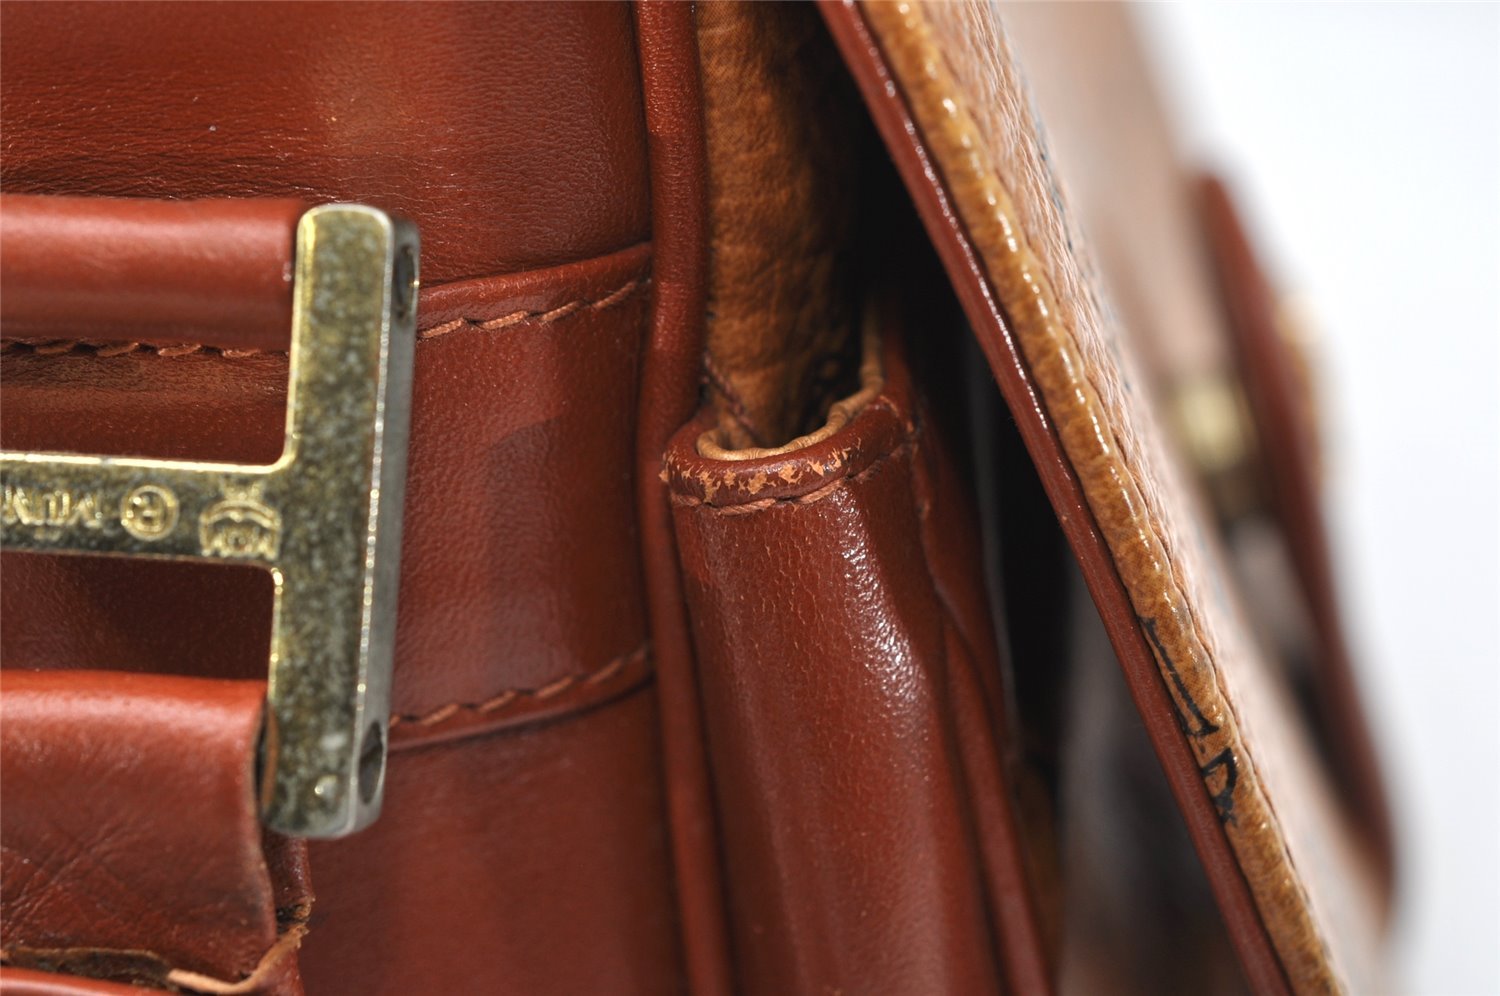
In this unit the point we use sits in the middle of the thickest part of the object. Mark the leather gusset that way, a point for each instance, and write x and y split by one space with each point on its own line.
845 716
166 877
779 118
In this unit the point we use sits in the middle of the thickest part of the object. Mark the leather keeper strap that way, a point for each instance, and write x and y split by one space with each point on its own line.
215 272
132 848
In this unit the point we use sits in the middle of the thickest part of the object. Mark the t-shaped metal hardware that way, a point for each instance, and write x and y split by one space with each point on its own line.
325 518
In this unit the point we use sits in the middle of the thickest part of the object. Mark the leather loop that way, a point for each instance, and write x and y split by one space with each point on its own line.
217 272
133 850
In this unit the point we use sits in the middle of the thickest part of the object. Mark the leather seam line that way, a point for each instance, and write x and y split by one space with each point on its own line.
571 683
811 498
983 169
109 350
614 297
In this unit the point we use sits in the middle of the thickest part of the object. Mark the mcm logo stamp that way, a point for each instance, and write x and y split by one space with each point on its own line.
240 526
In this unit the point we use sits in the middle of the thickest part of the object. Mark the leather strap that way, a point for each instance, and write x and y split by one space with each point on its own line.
133 849
216 272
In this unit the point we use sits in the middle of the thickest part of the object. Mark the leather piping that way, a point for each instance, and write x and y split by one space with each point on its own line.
671 367
1061 373
872 382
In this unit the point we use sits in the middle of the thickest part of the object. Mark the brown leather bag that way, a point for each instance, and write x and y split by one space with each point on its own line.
789 485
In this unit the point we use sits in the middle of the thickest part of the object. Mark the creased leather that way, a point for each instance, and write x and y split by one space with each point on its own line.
514 137
131 838
509 427
781 201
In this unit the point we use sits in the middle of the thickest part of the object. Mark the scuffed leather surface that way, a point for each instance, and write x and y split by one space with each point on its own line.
954 72
131 838
214 271
511 133
832 644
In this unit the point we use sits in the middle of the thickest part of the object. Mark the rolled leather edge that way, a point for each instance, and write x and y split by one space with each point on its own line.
830 652
214 272
132 848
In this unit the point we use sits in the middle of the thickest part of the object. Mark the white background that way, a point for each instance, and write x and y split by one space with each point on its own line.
1364 143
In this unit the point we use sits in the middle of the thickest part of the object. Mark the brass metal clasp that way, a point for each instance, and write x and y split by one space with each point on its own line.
324 519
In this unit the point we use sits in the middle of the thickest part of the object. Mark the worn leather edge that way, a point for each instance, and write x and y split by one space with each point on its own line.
666 37
888 105
1110 484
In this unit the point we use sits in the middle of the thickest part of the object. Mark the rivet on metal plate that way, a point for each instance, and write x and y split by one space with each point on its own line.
324 519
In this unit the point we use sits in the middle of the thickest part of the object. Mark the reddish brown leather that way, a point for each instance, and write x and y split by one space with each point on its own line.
216 271
511 133
887 106
26 982
132 841
855 809
670 371
779 120
518 469
513 136
533 861
520 571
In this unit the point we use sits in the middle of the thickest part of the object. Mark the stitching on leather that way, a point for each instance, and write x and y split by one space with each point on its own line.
562 311
933 58
561 688
760 505
106 350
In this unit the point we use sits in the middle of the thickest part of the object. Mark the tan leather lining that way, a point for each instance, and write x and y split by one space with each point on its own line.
872 381
779 119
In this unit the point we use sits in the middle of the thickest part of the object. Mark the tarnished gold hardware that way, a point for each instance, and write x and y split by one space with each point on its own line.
324 519
1213 420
